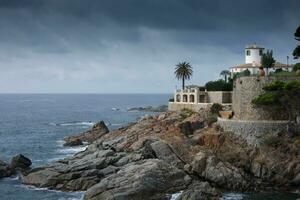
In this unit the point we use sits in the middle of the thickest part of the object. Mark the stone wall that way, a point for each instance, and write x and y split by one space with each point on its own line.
252 131
215 97
247 88
192 106
227 97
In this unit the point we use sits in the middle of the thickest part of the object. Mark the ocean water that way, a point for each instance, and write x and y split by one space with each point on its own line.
35 124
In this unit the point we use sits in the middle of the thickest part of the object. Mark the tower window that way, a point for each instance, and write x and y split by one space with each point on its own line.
260 52
248 52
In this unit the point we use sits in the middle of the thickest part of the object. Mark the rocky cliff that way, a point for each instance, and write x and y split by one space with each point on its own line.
171 152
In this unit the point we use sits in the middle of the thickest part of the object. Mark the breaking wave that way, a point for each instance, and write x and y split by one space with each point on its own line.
75 123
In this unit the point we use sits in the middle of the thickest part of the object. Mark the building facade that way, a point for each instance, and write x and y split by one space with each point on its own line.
196 98
253 54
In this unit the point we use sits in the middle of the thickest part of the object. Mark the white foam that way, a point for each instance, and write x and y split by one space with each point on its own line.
30 187
117 124
14 178
89 123
232 196
66 151
174 196
72 150
60 143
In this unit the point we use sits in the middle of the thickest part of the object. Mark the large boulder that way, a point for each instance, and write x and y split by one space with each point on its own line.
221 173
5 170
81 171
190 126
164 152
186 128
296 180
200 190
20 162
147 179
97 131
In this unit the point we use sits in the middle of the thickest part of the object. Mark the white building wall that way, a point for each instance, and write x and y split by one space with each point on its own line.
254 56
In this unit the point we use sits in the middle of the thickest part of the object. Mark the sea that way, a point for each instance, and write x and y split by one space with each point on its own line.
35 125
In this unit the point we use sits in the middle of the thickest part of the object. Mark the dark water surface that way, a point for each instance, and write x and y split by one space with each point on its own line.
35 124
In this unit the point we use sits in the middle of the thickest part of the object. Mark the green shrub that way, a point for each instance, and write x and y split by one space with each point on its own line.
266 99
216 108
278 70
245 73
185 113
212 118
219 85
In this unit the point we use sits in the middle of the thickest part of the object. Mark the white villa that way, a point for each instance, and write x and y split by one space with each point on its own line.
253 55
195 97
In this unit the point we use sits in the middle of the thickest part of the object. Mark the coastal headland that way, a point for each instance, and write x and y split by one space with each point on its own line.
173 152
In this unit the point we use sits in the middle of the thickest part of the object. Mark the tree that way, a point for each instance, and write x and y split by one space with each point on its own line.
183 71
225 73
219 85
297 34
296 52
282 94
296 67
267 60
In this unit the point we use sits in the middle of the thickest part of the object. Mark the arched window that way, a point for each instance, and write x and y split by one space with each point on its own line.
192 98
184 98
178 98
248 52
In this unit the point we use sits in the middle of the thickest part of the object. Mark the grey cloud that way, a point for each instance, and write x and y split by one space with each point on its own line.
100 45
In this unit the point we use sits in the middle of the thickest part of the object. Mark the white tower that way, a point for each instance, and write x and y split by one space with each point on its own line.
253 54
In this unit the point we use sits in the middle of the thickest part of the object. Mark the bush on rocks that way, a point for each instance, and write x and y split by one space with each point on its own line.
216 108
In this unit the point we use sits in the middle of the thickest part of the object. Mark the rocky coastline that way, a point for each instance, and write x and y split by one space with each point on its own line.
18 164
168 153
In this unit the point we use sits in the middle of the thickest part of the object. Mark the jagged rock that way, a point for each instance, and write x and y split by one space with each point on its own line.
151 158
73 142
5 170
188 168
147 151
186 128
257 169
147 179
221 173
20 161
164 152
214 139
296 180
200 190
41 177
97 131
199 162
162 108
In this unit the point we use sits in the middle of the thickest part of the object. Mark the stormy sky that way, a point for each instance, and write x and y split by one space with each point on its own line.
132 46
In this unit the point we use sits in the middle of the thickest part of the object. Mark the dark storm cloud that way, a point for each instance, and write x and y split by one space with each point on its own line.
190 14
74 19
71 39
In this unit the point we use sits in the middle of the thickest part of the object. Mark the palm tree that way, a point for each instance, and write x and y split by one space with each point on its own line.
267 60
225 73
183 71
